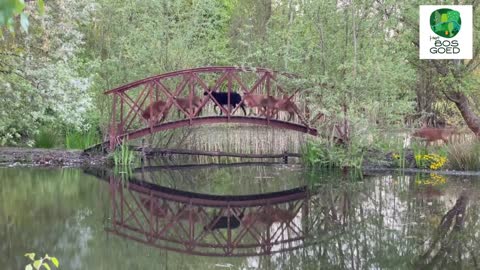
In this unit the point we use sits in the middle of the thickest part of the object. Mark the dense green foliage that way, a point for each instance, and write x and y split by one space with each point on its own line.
362 53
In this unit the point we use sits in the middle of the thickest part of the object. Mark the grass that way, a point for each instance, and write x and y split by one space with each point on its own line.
325 155
464 156
81 140
46 138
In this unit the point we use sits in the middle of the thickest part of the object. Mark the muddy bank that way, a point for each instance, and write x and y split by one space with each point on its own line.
12 156
374 162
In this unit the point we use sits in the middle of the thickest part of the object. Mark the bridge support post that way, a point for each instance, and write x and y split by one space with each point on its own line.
113 124
285 157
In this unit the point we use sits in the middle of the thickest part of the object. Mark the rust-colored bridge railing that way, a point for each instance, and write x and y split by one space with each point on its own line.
144 107
211 225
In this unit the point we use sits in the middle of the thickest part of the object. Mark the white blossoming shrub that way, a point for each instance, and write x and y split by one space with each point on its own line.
45 83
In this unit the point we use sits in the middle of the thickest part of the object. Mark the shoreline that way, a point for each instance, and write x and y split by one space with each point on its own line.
20 156
41 157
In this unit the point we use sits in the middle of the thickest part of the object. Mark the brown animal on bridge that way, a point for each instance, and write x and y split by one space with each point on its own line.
433 134
265 104
287 105
189 104
255 101
157 111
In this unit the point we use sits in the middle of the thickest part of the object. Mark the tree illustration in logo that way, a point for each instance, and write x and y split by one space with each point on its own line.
445 22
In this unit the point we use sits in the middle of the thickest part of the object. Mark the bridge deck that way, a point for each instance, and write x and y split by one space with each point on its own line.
218 119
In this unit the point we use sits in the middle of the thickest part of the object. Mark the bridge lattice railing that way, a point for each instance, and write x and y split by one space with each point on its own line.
134 101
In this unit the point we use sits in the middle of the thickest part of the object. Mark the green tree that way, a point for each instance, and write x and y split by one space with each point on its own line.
452 80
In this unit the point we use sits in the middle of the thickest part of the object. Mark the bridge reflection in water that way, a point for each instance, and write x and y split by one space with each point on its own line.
211 225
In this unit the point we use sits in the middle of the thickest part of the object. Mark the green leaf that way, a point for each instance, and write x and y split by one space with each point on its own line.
46 266
54 261
24 22
30 255
41 6
37 264
19 6
29 267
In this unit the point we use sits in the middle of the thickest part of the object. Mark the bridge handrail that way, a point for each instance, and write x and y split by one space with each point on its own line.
218 200
133 84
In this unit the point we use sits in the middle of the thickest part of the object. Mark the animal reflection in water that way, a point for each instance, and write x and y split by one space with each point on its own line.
265 216
163 211
210 225
268 216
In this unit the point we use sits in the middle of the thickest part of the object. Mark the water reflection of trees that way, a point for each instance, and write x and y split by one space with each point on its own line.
383 222
388 223
233 178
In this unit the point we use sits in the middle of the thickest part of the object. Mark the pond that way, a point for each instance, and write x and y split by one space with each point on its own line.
237 216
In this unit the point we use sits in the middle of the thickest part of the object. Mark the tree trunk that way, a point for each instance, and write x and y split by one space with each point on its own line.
461 101
426 97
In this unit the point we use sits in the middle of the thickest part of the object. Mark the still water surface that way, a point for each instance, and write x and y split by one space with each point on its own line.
163 215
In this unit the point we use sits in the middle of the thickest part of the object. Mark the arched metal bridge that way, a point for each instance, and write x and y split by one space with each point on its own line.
144 107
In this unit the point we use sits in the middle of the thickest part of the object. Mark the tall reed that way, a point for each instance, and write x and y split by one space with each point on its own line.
46 138
464 156
123 156
81 140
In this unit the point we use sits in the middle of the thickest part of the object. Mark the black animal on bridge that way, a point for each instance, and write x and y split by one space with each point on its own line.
222 99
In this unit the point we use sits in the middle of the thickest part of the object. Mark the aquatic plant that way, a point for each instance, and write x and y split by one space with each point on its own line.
42 263
123 156
399 158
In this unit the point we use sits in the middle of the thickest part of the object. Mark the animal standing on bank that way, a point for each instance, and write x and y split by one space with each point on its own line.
434 134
